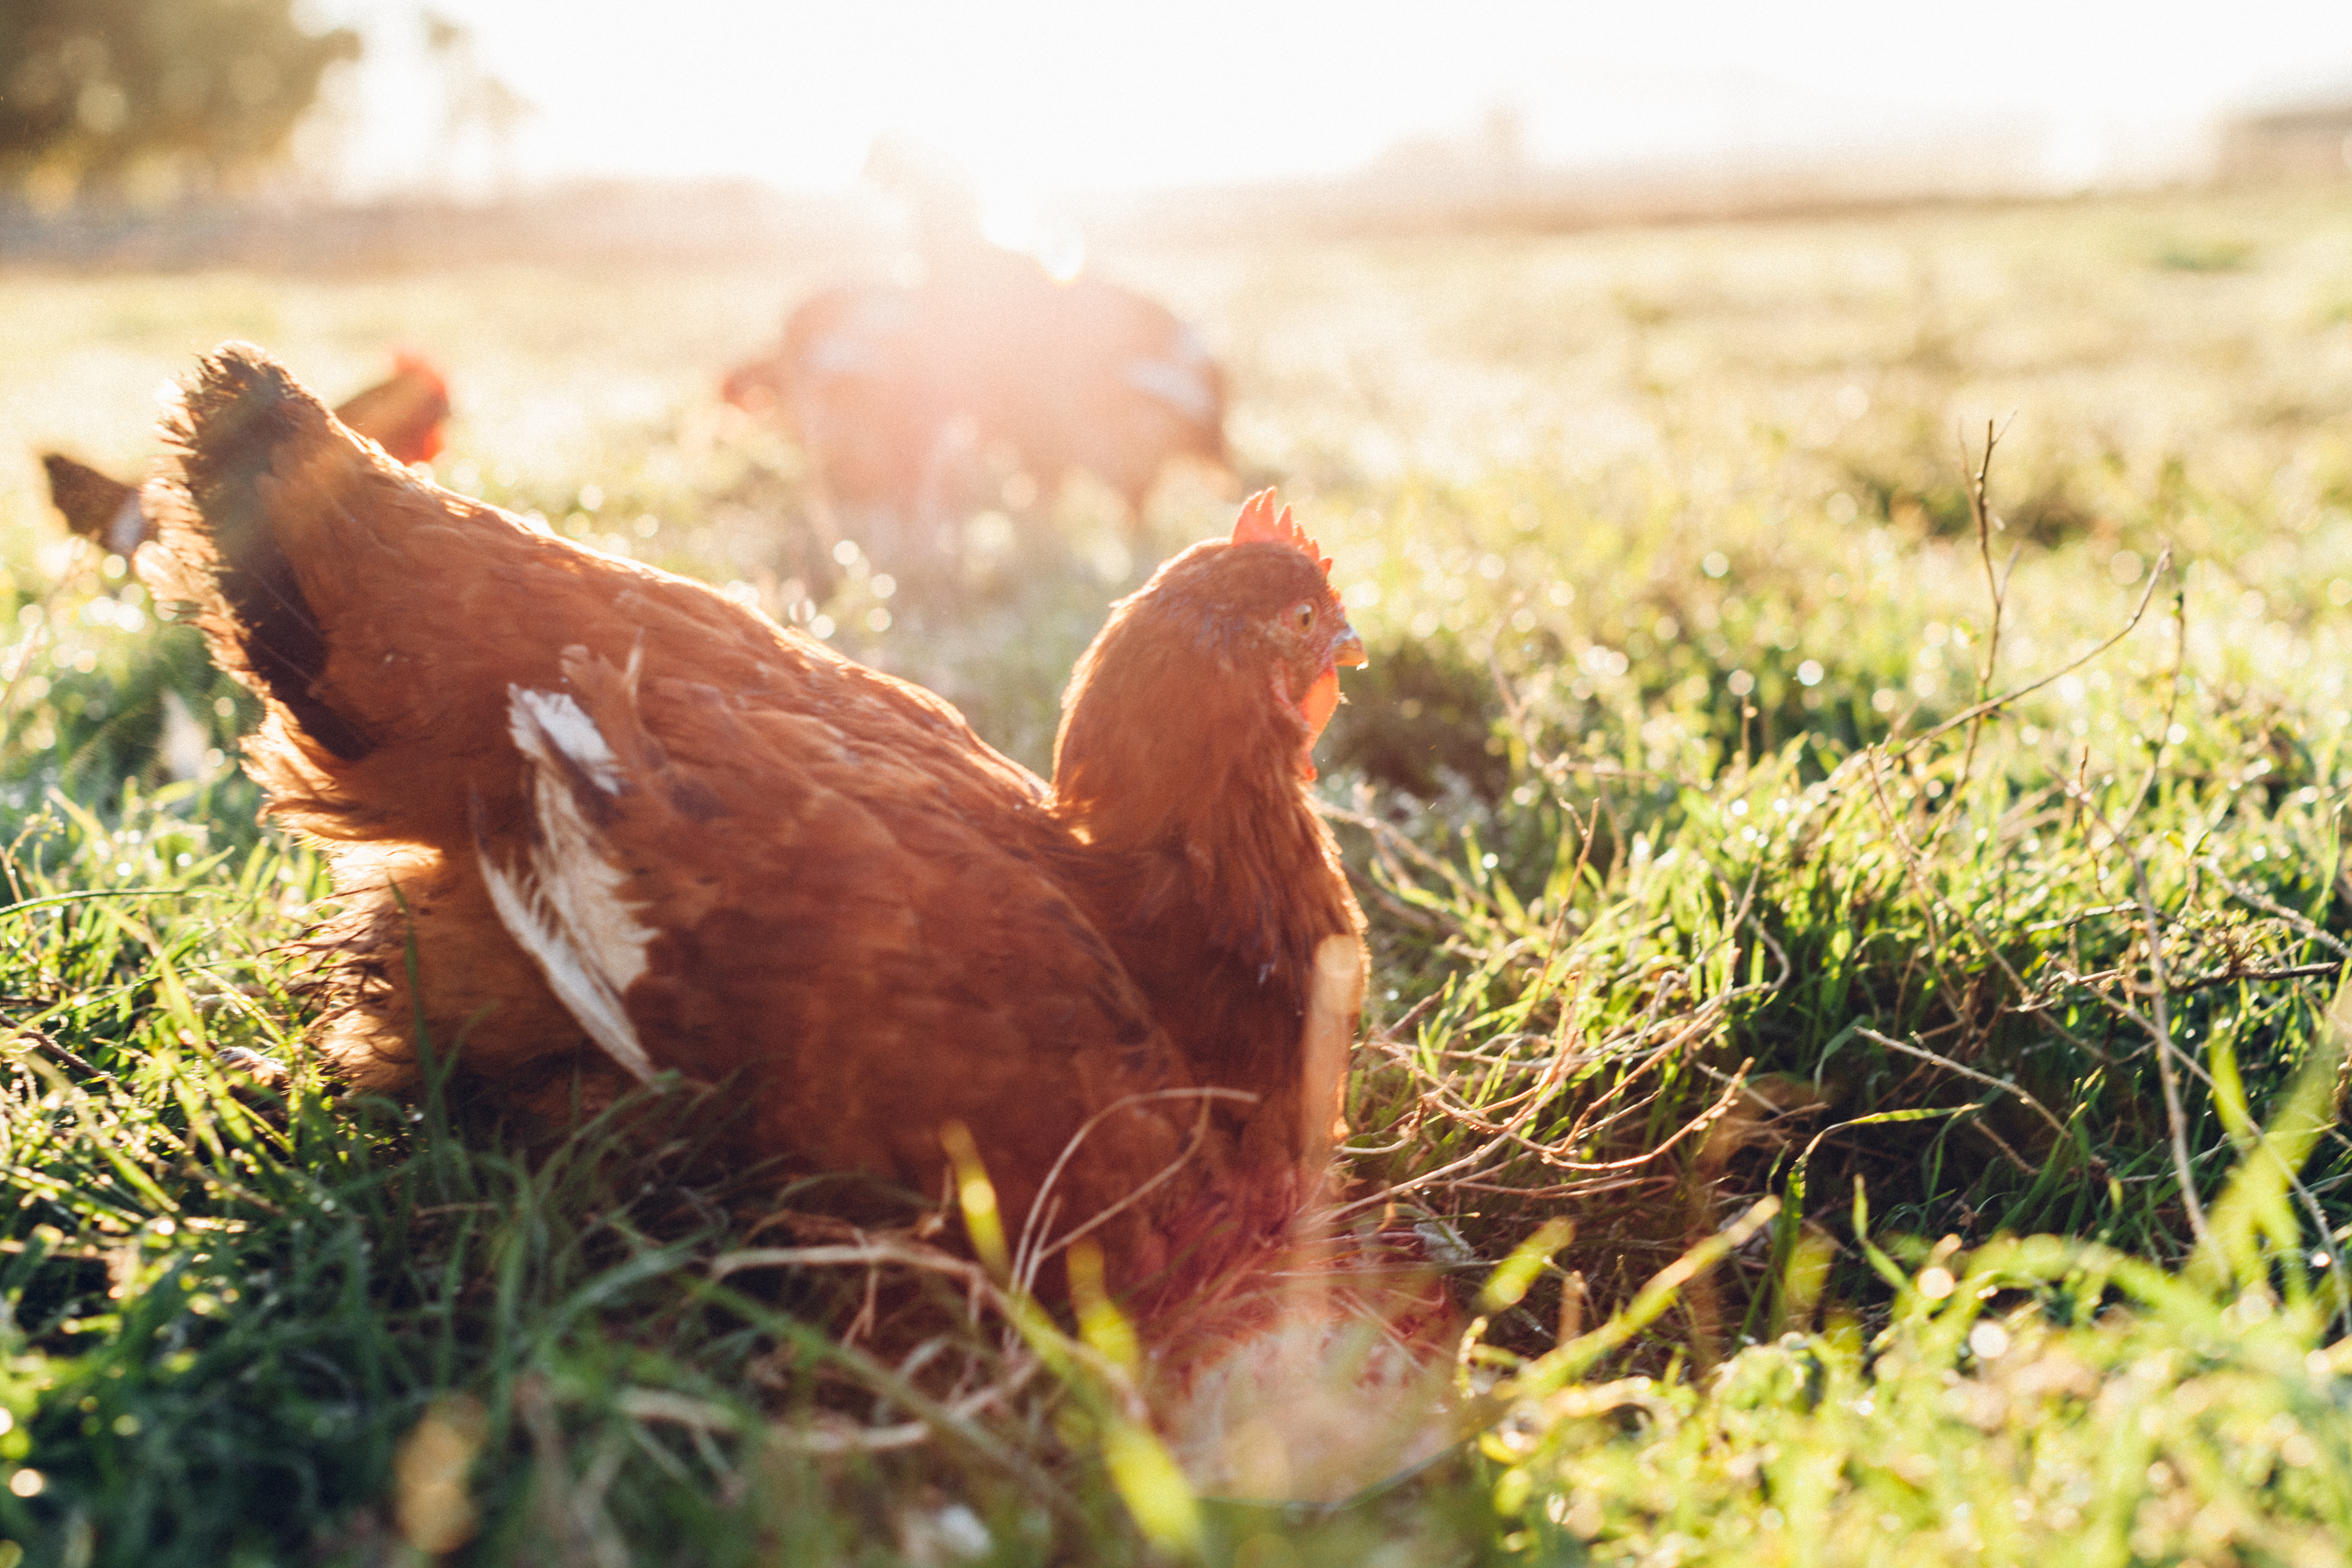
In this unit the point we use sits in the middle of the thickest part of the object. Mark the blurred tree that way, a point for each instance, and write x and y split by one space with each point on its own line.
147 100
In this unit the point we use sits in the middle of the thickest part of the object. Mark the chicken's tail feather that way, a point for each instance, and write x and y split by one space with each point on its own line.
224 443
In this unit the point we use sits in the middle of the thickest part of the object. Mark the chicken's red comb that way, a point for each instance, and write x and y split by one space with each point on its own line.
408 362
1258 525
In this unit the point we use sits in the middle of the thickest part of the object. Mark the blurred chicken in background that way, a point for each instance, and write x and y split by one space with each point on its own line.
897 392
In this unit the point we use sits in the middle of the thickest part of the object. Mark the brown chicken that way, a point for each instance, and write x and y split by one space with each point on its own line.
626 819
402 413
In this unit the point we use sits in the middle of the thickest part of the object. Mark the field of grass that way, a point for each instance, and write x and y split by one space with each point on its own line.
1856 957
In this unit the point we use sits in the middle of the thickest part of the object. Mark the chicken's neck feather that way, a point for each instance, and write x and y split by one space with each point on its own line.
1180 779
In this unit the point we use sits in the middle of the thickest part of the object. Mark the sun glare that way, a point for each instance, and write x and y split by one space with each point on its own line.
1013 217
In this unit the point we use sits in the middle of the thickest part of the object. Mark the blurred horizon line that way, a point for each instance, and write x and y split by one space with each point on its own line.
1420 185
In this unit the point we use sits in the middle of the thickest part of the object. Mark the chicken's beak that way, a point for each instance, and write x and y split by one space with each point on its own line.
1322 699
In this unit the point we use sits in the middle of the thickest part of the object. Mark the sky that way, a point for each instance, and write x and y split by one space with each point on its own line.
1044 95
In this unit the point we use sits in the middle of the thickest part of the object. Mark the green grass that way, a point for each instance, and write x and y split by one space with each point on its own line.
1687 892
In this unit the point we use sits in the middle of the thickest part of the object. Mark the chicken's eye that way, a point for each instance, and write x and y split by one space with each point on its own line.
1304 616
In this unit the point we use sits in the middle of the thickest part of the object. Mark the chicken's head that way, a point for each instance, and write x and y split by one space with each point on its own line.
1308 638
1224 667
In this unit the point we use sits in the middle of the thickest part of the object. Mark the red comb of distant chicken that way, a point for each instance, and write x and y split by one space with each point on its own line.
1258 525
408 362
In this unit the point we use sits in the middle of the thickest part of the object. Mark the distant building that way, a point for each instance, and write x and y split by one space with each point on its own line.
2308 142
